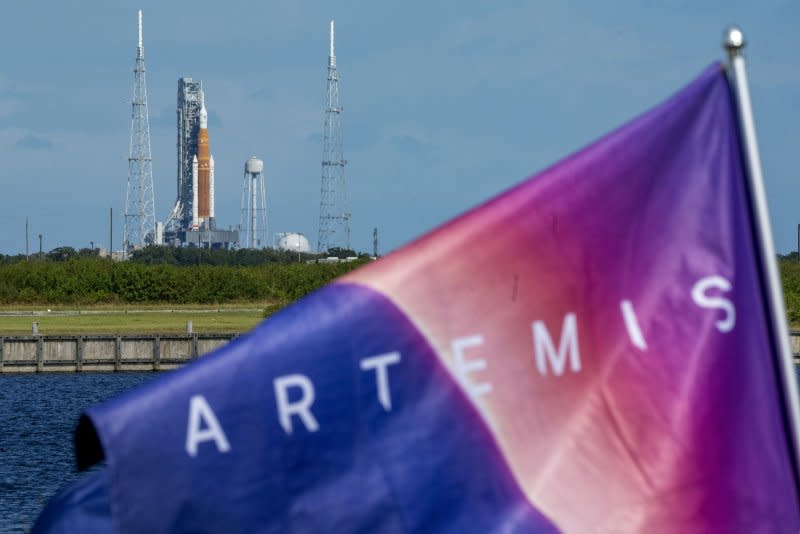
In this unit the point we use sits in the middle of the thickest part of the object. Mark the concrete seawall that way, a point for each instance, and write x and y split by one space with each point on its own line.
795 339
37 354
53 353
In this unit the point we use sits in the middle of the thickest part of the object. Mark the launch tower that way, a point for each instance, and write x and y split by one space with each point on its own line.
140 219
189 102
334 218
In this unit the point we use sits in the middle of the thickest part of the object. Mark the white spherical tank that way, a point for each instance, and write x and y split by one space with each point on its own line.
254 166
293 242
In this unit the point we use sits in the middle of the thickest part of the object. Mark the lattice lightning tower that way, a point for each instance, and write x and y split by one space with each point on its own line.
334 218
140 219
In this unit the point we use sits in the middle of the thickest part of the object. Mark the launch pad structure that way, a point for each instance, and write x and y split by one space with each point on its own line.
191 221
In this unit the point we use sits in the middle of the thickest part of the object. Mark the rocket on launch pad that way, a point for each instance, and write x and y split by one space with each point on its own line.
203 175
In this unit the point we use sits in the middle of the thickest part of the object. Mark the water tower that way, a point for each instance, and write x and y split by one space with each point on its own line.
254 206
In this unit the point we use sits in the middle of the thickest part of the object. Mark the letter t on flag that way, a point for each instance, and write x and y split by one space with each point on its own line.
643 264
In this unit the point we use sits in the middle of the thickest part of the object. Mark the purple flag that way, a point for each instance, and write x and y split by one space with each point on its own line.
587 352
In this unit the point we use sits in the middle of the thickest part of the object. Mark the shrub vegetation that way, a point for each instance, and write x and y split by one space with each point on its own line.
84 280
192 276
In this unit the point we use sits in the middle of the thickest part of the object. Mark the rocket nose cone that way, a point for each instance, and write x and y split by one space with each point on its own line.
203 118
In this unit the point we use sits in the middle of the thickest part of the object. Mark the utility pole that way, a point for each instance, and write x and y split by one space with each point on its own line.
40 246
375 242
27 255
111 231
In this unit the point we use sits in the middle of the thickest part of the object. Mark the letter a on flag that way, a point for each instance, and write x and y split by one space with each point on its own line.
590 351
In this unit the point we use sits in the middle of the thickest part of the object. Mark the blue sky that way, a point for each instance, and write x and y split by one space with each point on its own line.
445 104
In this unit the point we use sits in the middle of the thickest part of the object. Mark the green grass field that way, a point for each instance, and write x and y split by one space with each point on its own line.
138 320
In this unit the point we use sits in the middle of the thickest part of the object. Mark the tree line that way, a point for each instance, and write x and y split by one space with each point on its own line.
91 280
790 275
197 276
153 255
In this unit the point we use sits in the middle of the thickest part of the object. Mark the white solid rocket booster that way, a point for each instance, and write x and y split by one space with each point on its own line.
195 223
211 187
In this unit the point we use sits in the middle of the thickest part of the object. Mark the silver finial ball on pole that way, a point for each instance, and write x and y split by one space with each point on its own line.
733 40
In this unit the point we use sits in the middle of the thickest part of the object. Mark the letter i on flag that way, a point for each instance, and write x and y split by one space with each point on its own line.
598 349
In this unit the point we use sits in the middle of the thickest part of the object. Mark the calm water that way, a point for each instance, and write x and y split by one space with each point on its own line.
38 413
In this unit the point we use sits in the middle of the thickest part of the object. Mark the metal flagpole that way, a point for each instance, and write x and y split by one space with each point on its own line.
734 43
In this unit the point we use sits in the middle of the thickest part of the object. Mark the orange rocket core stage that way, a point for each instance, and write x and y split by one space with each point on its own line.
203 175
